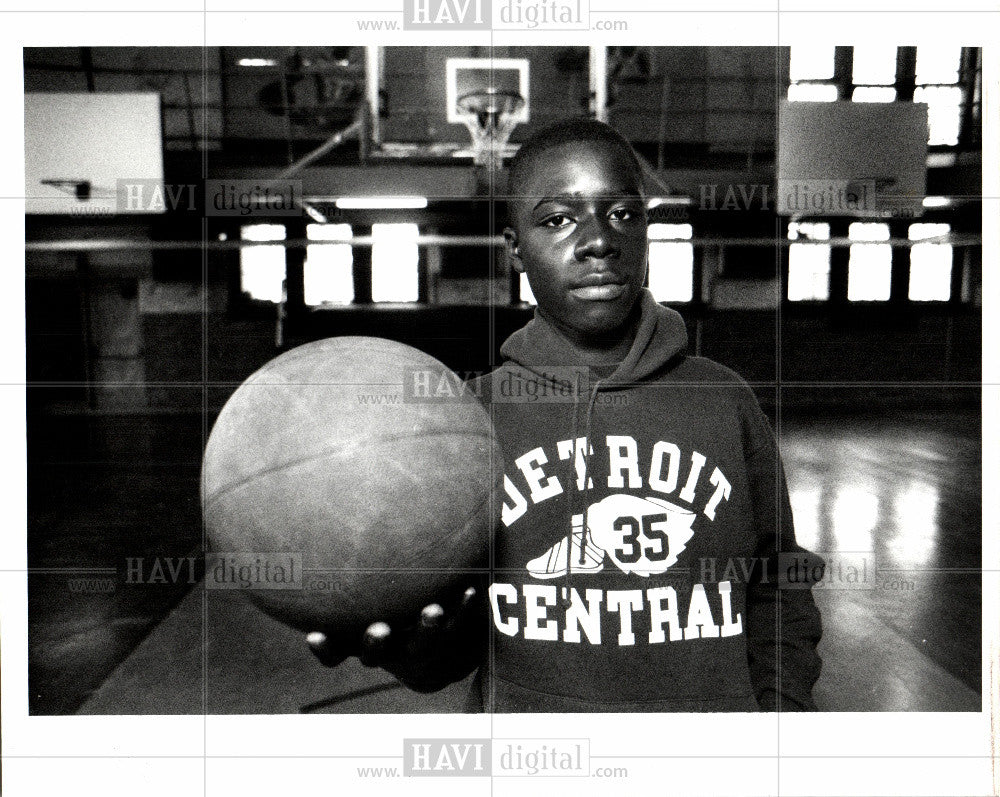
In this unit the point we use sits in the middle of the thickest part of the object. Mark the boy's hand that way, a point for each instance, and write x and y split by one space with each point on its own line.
440 648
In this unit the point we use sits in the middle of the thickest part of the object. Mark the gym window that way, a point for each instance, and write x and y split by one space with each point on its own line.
936 83
869 270
811 73
525 290
671 262
938 65
808 264
930 264
942 76
395 263
329 267
812 92
262 268
929 276
873 74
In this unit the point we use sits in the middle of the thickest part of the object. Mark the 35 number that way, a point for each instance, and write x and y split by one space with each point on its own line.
652 530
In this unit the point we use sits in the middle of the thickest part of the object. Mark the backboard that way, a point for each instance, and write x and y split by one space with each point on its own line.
863 159
412 95
79 146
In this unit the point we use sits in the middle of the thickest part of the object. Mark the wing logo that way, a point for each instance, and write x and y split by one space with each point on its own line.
643 536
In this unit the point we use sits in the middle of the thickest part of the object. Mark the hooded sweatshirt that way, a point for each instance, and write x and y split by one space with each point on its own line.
644 510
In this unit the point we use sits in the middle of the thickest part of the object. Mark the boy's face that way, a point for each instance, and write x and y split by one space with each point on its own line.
580 235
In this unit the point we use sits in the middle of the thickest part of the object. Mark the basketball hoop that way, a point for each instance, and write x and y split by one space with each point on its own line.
490 117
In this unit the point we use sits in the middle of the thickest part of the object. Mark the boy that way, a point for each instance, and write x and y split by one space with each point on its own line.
644 508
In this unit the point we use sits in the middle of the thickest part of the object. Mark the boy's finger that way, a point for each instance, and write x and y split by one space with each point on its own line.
375 644
469 607
431 617
469 598
431 634
323 649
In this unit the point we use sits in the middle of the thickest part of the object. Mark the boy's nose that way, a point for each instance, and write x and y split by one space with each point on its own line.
596 240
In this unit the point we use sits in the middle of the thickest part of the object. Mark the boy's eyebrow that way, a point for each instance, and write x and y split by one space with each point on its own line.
581 195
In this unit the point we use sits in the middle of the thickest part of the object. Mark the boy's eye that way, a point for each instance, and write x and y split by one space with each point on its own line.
624 214
556 220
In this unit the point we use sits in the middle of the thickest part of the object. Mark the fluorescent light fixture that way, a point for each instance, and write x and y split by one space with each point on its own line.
656 201
940 160
937 201
257 62
380 202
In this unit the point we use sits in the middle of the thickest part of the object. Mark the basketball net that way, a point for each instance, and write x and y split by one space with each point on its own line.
490 117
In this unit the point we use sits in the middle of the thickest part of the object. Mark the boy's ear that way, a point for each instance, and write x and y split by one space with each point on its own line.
513 252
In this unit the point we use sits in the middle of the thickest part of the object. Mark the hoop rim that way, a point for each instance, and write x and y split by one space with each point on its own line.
482 101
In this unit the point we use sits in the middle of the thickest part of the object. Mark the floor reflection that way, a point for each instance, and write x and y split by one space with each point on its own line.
907 493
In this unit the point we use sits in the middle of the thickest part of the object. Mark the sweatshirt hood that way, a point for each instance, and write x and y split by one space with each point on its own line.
661 336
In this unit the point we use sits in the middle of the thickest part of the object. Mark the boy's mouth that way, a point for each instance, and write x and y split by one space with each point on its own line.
599 293
598 288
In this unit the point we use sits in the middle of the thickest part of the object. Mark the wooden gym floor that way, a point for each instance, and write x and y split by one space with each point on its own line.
905 486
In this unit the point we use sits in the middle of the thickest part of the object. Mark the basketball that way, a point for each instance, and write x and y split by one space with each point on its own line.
347 481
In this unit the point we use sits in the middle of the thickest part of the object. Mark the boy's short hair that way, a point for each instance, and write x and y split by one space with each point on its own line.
577 129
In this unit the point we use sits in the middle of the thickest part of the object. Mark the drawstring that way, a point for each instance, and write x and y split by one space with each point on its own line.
571 490
586 462
579 483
